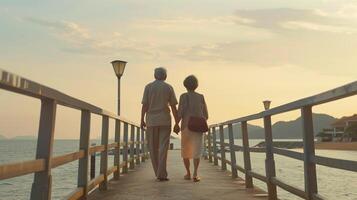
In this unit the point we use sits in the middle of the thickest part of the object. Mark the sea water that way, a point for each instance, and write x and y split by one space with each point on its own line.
332 183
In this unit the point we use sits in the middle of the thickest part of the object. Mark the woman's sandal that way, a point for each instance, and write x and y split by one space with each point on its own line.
196 179
187 177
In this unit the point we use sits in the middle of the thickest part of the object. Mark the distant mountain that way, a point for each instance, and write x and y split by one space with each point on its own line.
284 129
2 137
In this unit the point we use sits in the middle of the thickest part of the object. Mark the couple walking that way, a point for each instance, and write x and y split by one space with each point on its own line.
159 97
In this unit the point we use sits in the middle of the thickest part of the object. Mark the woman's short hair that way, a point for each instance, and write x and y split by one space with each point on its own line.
191 83
160 73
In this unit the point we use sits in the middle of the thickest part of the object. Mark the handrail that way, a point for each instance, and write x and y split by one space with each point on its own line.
308 156
44 162
324 97
18 84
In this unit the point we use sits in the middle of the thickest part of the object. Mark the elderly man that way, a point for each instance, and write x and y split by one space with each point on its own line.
157 99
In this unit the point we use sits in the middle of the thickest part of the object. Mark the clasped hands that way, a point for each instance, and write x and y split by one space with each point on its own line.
177 128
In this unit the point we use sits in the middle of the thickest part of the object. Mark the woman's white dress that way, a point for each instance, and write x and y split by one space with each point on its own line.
191 104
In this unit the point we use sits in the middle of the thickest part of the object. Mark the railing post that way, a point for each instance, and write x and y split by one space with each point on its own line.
232 151
84 145
205 154
104 154
117 149
223 151
309 152
125 148
92 165
137 148
209 140
214 137
143 145
132 142
42 185
269 162
246 154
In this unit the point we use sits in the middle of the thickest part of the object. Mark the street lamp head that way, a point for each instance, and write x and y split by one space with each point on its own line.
119 66
266 104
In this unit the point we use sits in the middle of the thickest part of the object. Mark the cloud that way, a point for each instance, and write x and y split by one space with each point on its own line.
79 39
295 25
287 19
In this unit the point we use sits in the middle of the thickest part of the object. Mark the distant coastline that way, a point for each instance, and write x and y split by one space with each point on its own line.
342 146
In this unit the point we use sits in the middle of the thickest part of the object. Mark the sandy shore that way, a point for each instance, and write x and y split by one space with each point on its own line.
345 146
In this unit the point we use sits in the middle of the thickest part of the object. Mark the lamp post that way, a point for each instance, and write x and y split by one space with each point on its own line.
118 67
266 104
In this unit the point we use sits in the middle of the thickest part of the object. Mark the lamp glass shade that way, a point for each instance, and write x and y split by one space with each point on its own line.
119 67
266 104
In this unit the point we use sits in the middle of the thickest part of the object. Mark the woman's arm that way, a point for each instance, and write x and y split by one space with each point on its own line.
205 110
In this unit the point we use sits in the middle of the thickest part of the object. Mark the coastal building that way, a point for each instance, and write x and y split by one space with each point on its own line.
342 130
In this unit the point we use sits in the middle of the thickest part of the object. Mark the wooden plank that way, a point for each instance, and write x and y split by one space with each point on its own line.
125 149
42 186
294 190
21 168
96 181
289 153
269 161
324 97
241 169
238 120
132 141
18 84
95 149
223 152
112 145
143 144
104 154
214 137
232 152
112 170
67 158
137 145
117 149
335 163
246 154
209 146
257 149
257 176
82 178
76 194
309 152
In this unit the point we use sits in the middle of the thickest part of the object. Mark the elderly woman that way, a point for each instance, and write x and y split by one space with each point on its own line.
191 104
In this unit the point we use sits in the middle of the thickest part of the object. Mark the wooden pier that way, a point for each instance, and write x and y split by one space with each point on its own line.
133 177
140 183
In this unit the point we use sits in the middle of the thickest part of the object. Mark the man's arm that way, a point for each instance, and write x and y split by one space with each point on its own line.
144 110
177 119
175 114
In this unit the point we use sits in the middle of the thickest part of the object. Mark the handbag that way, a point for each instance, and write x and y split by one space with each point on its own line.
197 124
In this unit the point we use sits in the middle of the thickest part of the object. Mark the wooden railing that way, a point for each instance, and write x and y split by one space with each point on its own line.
308 157
45 162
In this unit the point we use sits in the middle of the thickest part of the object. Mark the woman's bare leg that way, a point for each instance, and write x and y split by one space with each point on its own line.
196 163
187 166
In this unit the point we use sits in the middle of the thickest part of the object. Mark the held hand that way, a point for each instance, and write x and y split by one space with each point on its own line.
143 124
176 129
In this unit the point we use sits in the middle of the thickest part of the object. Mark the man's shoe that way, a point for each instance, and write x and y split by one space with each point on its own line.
162 179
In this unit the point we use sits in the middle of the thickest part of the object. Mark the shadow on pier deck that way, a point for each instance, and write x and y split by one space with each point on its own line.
140 184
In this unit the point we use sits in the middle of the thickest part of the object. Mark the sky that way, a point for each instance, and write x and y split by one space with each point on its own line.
242 51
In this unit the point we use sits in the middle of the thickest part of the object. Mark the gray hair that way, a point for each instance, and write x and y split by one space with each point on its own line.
191 83
160 73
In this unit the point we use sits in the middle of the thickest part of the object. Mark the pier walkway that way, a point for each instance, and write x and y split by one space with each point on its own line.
140 183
